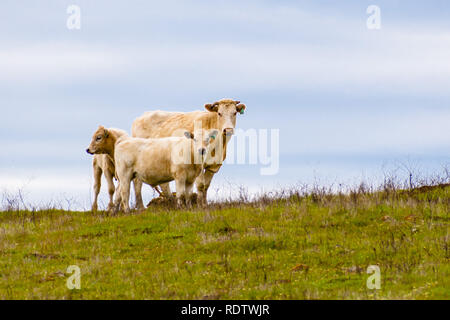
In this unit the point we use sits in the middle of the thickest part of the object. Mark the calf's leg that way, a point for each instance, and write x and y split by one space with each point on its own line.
125 185
165 187
97 185
203 182
111 189
124 175
188 194
138 193
181 191
117 200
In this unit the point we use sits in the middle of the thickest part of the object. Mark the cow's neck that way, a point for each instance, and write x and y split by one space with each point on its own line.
225 140
209 120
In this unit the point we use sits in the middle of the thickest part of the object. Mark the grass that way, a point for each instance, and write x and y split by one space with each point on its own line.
314 245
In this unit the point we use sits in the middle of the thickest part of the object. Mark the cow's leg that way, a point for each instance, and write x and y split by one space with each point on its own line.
138 192
181 191
188 194
118 199
158 191
125 176
203 182
97 185
111 189
165 187
125 185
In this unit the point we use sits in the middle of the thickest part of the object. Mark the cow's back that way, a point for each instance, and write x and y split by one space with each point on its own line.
161 124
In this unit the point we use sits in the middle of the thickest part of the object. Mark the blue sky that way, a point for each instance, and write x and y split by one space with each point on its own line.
348 101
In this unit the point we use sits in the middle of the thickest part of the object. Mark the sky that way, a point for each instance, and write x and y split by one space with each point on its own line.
350 103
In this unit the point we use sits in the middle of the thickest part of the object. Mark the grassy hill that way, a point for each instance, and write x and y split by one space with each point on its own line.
297 246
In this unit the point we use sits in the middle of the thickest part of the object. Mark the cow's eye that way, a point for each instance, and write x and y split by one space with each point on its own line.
99 138
235 113
220 114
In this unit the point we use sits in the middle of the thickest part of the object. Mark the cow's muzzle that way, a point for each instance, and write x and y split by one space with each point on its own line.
228 131
89 151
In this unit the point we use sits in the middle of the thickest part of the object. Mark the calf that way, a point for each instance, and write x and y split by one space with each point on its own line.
102 147
157 161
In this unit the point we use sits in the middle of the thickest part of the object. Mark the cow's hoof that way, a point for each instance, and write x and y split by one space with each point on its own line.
194 198
202 205
139 208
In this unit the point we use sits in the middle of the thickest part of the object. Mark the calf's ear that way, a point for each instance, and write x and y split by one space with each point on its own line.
212 107
189 135
213 134
240 108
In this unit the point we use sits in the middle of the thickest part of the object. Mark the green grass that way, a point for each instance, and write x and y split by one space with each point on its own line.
316 246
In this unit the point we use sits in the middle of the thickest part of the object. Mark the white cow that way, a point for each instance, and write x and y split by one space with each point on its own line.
220 115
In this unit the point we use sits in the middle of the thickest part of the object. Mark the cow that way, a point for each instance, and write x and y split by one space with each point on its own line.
103 163
160 160
220 115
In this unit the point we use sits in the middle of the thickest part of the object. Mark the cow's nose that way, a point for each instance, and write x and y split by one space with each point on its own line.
88 151
202 151
228 131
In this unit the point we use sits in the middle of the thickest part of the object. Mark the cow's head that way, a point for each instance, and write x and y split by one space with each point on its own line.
226 110
100 142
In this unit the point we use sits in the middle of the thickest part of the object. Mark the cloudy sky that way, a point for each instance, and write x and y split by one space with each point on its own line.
349 102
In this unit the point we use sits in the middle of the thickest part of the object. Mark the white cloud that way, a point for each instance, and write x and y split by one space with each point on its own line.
280 47
394 61
54 62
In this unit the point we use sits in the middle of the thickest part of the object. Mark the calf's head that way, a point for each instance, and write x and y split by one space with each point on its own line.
100 142
203 140
226 111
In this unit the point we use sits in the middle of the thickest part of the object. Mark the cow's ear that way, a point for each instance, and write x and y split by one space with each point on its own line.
189 135
105 133
240 108
212 107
